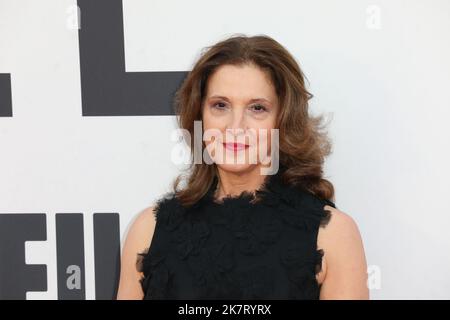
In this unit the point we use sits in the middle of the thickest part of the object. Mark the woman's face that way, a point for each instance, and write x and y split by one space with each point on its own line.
242 106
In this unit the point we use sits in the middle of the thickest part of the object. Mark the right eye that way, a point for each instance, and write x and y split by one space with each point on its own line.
219 106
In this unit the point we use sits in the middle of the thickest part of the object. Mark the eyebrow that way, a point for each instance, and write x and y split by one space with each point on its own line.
251 100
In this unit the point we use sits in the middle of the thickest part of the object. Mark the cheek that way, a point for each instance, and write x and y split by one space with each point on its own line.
263 128
210 122
264 136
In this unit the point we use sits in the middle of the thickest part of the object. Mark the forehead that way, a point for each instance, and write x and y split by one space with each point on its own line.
241 82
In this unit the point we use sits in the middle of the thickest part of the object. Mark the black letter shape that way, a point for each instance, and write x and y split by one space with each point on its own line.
107 255
106 89
5 95
70 254
16 277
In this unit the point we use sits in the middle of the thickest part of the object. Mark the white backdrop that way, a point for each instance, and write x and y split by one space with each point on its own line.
380 69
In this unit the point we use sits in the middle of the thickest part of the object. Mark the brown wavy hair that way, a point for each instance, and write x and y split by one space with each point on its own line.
303 144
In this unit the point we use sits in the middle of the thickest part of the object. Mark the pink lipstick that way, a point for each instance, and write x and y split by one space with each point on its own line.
233 146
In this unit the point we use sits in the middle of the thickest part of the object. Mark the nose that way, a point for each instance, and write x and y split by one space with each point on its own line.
237 125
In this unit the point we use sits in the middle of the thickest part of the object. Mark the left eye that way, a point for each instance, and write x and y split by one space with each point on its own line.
259 108
219 105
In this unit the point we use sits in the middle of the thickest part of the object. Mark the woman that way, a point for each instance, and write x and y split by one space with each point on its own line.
233 232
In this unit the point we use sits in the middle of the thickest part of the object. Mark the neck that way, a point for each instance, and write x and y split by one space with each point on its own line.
233 183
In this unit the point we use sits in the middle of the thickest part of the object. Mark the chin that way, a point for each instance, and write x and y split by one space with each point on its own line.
236 168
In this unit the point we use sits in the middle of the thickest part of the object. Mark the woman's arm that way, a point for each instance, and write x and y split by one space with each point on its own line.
344 258
137 240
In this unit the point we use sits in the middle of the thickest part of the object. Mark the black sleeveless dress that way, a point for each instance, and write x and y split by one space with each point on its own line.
236 248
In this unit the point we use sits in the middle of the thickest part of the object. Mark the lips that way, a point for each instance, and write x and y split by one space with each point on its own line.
233 146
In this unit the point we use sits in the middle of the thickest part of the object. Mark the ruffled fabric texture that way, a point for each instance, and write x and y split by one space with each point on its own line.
213 265
152 262
157 276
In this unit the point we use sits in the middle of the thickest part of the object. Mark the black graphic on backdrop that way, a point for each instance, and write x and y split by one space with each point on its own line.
106 88
16 277
5 95
70 256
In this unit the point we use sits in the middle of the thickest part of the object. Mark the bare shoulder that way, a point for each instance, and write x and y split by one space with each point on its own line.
340 233
145 219
344 263
141 230
138 239
340 223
